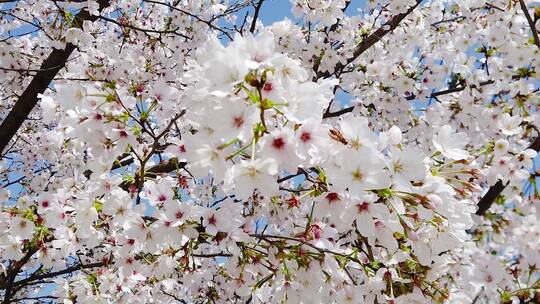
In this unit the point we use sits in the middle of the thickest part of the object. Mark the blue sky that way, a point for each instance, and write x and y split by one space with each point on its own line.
276 10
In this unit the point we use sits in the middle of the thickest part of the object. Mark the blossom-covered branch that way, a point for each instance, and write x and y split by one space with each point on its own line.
200 152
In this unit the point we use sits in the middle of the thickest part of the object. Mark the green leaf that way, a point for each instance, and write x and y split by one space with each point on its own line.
262 281
253 97
98 205
385 193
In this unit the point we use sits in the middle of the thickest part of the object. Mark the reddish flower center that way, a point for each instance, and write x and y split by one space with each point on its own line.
363 207
316 231
238 121
305 137
293 202
332 197
183 182
268 87
278 143
212 220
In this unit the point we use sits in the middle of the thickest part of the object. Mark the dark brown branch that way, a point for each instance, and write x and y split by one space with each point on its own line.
448 20
163 167
194 16
494 191
338 113
286 178
477 297
144 30
453 90
173 296
487 200
531 23
412 97
256 16
212 255
6 282
9 183
167 166
122 160
48 70
40 298
494 7
328 30
371 40
58 273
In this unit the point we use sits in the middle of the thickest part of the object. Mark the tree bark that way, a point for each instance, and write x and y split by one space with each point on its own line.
494 191
49 68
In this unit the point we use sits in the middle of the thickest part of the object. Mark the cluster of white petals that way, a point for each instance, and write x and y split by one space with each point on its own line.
185 152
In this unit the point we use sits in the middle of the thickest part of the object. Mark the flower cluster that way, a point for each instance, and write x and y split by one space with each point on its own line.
386 157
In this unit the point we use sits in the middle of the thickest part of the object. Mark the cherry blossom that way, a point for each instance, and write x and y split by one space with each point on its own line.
451 144
202 152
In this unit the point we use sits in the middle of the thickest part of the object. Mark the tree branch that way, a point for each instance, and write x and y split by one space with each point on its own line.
371 40
256 16
58 273
412 97
48 70
144 30
209 23
163 167
6 282
531 23
494 191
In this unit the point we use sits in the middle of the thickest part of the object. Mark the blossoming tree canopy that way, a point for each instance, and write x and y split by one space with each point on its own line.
188 151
